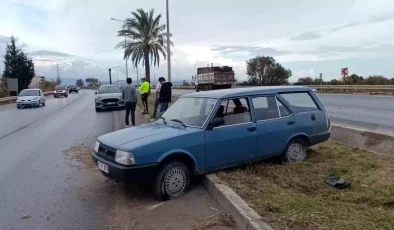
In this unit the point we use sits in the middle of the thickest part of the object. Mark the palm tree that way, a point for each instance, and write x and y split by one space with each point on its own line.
146 39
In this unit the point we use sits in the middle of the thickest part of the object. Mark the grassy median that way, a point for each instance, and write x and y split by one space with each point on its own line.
151 104
295 196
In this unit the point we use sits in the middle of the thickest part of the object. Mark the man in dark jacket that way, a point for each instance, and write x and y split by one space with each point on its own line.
165 94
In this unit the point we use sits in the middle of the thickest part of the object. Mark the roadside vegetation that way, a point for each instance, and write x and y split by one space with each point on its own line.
295 196
18 65
151 104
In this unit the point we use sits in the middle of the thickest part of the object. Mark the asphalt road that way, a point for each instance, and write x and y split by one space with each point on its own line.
374 113
48 181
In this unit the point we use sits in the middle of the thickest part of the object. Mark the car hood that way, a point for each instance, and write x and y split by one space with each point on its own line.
109 95
140 135
26 98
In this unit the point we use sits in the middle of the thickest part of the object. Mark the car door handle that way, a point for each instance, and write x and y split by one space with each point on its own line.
251 129
290 122
313 117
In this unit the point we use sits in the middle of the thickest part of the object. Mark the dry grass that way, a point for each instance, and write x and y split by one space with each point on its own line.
151 104
81 154
211 222
295 196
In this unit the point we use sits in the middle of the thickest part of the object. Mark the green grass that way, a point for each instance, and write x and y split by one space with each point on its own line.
295 196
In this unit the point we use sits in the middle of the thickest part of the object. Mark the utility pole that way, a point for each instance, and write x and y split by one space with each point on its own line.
168 44
110 79
321 82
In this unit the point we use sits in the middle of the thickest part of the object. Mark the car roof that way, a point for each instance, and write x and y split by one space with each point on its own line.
248 91
109 85
30 89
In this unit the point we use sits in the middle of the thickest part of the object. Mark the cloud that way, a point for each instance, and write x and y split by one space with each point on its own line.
248 51
49 53
306 36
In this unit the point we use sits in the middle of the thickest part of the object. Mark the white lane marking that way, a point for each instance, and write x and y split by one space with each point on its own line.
155 206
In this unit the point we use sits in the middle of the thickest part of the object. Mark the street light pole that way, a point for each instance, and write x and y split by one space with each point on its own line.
125 43
168 44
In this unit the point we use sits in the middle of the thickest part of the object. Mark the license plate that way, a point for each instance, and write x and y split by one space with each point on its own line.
102 167
111 103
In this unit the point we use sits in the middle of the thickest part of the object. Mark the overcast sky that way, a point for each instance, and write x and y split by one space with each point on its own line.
307 36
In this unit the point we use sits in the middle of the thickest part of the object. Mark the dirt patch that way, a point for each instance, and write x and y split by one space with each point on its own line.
295 196
213 222
79 155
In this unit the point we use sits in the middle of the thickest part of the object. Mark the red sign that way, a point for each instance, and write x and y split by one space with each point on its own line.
344 71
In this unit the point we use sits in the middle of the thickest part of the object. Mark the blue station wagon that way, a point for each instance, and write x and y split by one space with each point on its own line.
212 130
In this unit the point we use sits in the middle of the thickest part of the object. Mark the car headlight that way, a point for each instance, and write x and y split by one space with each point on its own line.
96 146
124 158
64 91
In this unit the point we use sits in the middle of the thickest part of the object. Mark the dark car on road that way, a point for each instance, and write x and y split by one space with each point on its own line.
73 88
108 96
60 91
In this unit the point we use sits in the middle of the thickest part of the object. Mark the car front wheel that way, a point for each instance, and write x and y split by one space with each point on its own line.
295 151
172 181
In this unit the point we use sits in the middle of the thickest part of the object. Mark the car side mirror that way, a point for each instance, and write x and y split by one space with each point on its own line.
95 93
215 123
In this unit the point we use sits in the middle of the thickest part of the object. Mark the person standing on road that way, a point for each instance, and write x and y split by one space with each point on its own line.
165 94
144 90
157 100
129 96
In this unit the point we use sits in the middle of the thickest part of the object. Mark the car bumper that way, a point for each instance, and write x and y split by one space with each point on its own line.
101 105
314 140
32 103
117 172
60 94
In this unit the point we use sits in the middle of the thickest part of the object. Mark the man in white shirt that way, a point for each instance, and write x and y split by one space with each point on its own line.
157 100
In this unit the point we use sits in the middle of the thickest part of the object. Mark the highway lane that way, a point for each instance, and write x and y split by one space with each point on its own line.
373 113
45 184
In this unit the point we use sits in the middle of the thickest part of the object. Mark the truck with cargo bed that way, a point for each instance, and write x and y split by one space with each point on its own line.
214 77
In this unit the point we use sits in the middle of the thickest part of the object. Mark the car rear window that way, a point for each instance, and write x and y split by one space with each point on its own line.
301 101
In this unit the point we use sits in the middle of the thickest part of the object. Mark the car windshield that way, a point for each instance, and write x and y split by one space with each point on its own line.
72 86
108 89
29 93
191 111
60 88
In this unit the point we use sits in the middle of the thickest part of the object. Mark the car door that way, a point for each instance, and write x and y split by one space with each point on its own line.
275 125
236 140
305 109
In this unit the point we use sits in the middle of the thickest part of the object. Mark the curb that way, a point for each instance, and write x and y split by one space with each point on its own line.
244 216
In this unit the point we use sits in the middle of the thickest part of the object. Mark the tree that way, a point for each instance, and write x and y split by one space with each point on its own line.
305 81
267 71
79 83
18 65
146 39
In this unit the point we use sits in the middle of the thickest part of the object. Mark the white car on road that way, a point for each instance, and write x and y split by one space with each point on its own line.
29 98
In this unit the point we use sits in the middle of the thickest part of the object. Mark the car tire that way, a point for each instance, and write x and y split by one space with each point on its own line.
97 110
295 151
172 181
43 104
18 107
66 95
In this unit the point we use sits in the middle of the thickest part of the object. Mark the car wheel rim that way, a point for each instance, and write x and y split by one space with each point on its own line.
175 182
296 152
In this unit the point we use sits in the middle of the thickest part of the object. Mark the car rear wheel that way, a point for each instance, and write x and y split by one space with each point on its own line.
172 181
295 151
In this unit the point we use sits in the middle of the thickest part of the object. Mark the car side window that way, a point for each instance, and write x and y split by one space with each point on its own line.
234 111
283 110
300 101
265 108
39 93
